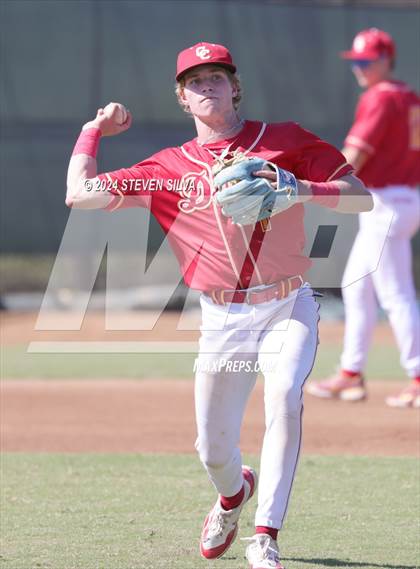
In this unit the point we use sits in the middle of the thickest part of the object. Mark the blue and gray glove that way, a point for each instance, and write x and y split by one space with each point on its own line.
247 199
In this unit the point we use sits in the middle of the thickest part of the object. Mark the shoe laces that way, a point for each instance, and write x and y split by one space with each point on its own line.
219 520
264 548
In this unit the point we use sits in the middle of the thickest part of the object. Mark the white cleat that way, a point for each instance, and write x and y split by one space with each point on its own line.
263 552
221 526
408 397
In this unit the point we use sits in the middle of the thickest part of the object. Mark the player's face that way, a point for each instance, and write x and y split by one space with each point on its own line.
208 91
369 73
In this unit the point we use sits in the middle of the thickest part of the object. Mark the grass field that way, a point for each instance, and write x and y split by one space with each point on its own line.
17 363
119 511
145 512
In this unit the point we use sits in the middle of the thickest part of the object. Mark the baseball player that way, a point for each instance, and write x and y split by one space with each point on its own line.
383 145
231 204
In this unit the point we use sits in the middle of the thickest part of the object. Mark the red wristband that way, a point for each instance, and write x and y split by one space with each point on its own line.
88 142
326 194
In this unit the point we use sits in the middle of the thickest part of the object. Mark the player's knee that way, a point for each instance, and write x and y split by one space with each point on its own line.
353 292
284 400
214 454
292 403
386 304
397 300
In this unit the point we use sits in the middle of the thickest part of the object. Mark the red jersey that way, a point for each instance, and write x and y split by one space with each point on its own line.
387 127
213 253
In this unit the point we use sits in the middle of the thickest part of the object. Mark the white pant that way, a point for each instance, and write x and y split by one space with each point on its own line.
282 336
389 280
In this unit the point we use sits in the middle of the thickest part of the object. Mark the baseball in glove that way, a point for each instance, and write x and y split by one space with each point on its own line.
246 198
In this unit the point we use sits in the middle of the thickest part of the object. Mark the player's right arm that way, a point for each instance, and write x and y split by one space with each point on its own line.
84 190
375 112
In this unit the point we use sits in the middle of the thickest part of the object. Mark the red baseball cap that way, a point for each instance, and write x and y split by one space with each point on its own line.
371 44
203 53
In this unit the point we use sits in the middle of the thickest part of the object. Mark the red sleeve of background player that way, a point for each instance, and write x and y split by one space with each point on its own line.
314 159
373 114
134 186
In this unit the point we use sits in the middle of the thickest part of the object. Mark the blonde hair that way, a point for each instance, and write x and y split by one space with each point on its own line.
234 79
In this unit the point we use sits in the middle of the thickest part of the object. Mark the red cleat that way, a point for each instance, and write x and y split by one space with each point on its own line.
221 526
339 386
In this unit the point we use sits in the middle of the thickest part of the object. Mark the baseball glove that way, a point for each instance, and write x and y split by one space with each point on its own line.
247 199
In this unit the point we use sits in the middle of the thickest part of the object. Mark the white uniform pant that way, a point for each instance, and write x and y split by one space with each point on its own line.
389 281
282 336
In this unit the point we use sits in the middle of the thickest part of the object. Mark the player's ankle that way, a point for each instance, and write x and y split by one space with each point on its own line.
272 532
231 502
350 374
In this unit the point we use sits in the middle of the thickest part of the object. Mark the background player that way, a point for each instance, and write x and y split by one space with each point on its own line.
384 147
254 307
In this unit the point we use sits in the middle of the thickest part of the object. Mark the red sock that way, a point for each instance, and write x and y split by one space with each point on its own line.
416 380
349 374
232 501
272 532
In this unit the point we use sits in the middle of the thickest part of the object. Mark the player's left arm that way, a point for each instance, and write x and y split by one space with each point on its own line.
345 195
349 191
325 176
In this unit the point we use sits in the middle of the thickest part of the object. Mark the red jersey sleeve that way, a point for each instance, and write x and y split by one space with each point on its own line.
372 118
134 186
314 159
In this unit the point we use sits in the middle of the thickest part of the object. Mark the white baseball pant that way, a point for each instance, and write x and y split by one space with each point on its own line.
282 336
389 280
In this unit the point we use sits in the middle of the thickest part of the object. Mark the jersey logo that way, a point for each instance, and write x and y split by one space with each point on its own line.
202 52
193 186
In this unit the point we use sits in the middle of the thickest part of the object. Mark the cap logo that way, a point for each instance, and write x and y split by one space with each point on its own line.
359 44
202 52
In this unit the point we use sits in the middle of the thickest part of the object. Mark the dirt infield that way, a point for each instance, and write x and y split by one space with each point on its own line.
158 415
